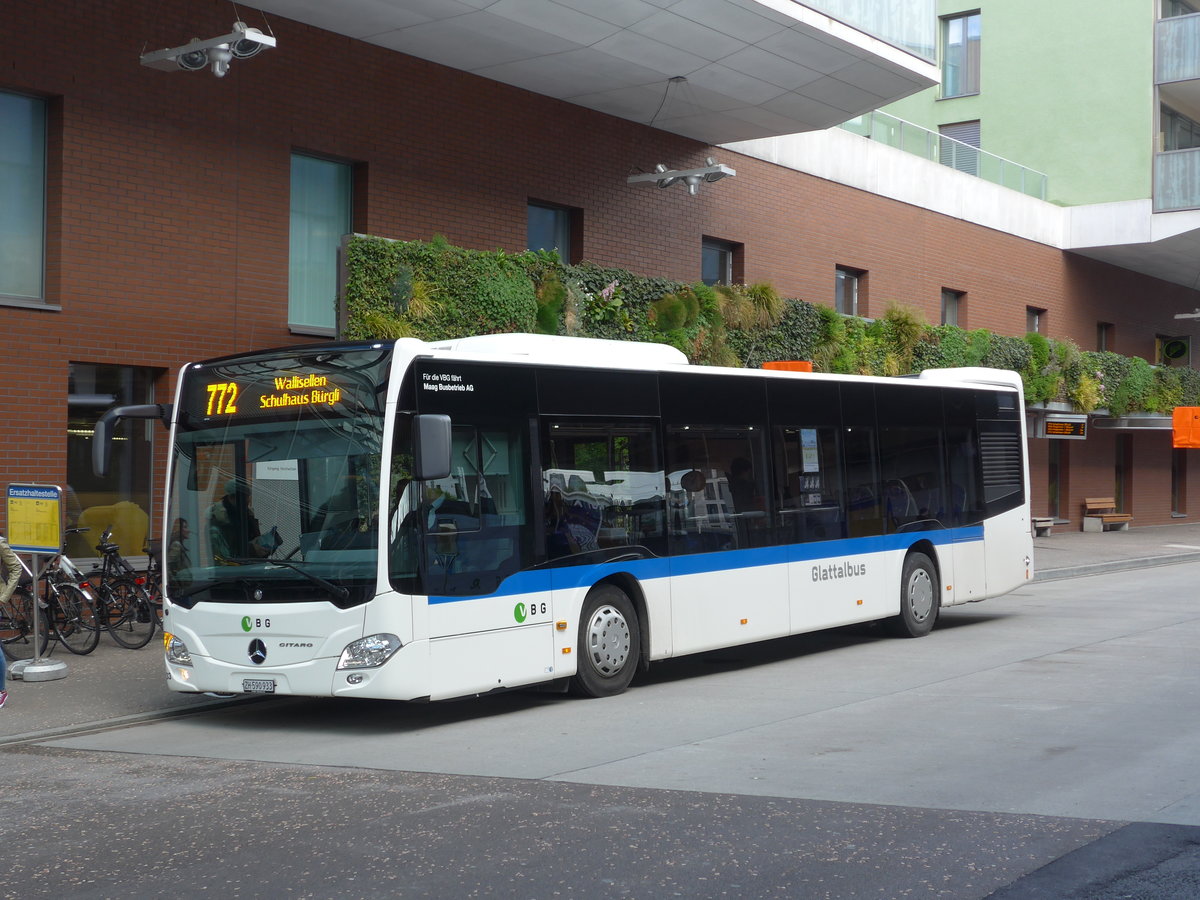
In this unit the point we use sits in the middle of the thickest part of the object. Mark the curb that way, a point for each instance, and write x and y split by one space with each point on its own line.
119 722
1116 565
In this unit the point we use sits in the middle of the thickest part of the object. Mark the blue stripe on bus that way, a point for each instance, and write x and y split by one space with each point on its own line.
567 577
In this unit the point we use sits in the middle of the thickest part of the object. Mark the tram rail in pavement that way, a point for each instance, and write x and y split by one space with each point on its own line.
113 687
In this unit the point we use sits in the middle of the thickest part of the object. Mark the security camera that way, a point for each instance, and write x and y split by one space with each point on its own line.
241 43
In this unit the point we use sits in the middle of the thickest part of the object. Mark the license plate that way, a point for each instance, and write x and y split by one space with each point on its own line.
258 685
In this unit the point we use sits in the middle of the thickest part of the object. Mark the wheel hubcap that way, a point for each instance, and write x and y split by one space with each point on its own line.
920 595
608 640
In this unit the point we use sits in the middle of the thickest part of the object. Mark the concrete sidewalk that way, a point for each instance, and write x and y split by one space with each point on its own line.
1069 552
113 686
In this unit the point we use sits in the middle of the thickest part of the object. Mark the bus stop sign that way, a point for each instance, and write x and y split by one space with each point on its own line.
35 518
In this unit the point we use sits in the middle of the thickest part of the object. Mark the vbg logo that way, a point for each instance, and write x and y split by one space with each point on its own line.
247 623
521 612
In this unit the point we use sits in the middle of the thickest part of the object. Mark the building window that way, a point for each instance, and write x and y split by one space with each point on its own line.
960 55
22 196
1172 351
1035 320
321 216
1173 8
121 499
952 306
1104 336
718 261
1179 132
550 228
958 146
849 291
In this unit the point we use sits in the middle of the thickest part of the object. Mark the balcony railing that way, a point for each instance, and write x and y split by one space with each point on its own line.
887 129
910 24
1177 180
1177 49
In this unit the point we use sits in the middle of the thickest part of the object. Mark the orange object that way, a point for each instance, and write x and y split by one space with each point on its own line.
1185 427
789 365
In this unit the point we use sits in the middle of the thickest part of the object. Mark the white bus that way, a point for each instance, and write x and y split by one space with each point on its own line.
424 521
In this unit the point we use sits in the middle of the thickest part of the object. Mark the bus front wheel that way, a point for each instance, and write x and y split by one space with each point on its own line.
920 599
609 643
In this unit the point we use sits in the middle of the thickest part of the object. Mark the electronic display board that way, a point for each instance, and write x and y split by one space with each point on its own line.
1074 427
339 383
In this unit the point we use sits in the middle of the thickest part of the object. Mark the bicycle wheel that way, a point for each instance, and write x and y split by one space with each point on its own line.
130 615
75 620
16 627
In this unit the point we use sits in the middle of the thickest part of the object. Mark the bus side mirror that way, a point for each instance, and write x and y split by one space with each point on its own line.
102 437
431 447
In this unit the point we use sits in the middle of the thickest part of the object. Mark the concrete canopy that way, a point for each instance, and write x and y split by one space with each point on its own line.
753 68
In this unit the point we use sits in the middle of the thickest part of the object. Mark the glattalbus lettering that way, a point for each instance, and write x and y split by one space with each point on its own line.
839 570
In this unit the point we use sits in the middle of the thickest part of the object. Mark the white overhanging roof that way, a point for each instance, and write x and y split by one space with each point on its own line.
1128 234
753 68
1131 235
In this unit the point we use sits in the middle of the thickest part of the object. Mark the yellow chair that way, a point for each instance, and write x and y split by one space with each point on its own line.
129 523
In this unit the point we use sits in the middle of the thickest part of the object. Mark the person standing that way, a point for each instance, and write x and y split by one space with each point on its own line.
12 574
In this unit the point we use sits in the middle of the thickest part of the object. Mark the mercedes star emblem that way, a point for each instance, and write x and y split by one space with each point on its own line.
258 652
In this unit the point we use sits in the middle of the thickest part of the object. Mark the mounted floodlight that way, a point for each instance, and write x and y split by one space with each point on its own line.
192 60
691 178
241 43
664 182
718 172
250 44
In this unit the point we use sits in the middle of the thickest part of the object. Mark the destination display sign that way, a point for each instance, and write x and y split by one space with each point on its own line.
231 398
346 383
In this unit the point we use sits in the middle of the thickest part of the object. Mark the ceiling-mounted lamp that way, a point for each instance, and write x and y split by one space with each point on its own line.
1191 315
690 178
242 42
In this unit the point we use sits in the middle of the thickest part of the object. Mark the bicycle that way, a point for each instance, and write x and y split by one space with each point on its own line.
65 605
153 577
68 601
124 607
16 627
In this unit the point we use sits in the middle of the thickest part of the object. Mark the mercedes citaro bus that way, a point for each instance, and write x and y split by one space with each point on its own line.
415 520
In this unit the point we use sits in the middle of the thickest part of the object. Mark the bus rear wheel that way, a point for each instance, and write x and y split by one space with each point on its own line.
609 643
920 597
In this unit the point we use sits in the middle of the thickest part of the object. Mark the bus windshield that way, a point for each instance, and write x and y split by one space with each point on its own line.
274 494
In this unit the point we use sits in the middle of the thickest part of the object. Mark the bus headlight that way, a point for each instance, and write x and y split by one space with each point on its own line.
176 650
369 652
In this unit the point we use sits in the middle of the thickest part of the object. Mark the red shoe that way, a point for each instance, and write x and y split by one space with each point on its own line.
3 694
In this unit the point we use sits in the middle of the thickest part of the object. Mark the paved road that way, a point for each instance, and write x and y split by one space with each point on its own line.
1042 744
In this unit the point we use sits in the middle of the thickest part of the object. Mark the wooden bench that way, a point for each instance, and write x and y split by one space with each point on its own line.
1042 525
1100 514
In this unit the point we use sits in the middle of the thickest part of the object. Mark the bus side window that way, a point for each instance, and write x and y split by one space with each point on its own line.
731 512
603 485
809 487
864 509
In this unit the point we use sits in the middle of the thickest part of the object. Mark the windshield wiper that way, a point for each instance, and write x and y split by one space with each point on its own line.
206 585
335 589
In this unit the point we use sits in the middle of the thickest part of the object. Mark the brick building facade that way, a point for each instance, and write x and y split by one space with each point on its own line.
167 226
